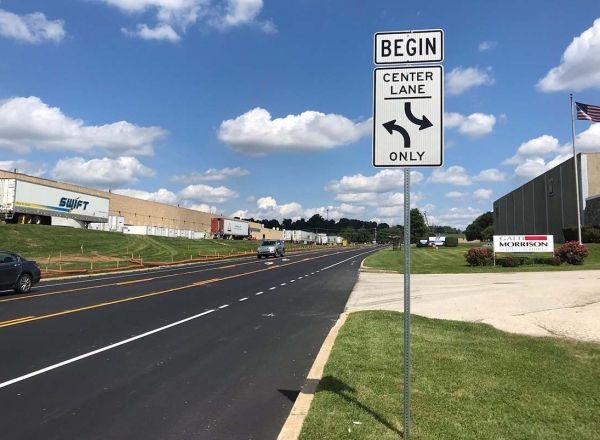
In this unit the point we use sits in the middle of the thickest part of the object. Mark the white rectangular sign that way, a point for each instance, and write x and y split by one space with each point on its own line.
523 243
403 47
408 116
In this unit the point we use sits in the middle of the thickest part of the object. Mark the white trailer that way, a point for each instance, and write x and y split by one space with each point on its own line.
137 230
229 229
22 201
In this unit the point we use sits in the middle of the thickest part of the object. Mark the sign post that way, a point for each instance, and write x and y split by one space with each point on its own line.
408 129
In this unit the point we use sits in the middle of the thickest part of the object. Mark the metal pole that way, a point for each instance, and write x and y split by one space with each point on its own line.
406 303
576 172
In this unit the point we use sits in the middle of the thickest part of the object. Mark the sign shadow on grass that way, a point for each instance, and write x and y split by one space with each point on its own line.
334 385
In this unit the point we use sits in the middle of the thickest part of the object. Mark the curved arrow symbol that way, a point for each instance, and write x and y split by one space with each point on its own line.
391 127
422 123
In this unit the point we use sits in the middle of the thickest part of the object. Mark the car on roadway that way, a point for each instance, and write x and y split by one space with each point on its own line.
17 272
271 247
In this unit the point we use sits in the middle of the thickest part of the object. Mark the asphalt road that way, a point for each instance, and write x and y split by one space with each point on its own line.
207 351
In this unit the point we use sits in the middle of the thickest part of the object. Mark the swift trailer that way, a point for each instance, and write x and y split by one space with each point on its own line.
27 202
229 229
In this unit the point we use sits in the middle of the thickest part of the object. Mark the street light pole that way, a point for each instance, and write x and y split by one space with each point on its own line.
327 224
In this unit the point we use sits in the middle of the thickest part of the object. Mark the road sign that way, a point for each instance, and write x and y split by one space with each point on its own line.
414 47
408 116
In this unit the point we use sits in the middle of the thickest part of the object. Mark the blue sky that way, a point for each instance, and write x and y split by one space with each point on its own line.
262 108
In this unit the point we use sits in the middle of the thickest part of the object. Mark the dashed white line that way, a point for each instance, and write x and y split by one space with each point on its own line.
223 306
108 347
291 281
258 293
273 288
283 284
299 278
312 273
243 299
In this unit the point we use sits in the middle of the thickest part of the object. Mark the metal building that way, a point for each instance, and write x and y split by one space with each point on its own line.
548 203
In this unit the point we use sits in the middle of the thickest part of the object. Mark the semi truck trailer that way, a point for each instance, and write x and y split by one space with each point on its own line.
22 201
229 229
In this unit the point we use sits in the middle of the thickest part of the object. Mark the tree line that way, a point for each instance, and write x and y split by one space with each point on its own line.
360 231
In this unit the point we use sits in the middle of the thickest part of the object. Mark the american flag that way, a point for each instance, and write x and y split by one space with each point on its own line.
588 112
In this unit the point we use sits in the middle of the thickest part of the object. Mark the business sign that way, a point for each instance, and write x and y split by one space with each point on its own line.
408 116
404 47
523 243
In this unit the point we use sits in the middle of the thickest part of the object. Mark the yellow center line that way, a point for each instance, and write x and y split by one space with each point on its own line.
148 295
122 283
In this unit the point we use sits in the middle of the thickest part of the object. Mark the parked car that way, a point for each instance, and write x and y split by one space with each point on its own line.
271 247
17 272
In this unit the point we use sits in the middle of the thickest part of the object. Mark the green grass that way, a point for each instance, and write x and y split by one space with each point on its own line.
55 247
451 260
469 381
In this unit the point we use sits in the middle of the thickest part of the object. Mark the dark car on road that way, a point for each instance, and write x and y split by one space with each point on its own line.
17 272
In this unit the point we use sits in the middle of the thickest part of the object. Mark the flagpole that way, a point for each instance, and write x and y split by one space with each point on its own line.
576 172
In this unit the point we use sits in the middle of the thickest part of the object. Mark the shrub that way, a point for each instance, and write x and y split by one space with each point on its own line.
526 261
572 252
509 261
552 261
479 256
451 242
589 234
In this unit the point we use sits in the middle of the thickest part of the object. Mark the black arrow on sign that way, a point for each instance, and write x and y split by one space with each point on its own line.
391 127
422 123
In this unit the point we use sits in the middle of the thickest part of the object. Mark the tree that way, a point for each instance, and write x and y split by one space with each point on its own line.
418 227
488 233
474 230
287 224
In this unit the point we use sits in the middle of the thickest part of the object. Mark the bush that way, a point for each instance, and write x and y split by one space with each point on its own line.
526 261
509 261
589 234
572 253
552 261
451 242
479 256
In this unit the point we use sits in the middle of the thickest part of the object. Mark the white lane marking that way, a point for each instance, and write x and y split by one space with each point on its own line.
100 350
283 284
318 271
299 278
258 293
348 259
273 288
312 273
291 281
243 299
223 306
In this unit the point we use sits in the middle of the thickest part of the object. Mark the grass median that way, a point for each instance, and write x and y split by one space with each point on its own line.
469 381
451 260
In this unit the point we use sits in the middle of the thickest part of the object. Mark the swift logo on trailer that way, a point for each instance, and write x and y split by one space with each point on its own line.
72 203
523 243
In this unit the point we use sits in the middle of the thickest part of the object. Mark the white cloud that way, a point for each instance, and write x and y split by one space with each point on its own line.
454 175
202 207
531 168
161 196
100 172
460 80
541 146
23 167
211 175
250 199
487 45
456 195
587 141
428 208
490 175
383 181
255 133
173 17
475 125
31 28
207 194
457 217
481 195
377 199
267 208
29 123
160 32
579 67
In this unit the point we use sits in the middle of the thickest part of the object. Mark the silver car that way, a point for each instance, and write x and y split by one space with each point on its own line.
271 247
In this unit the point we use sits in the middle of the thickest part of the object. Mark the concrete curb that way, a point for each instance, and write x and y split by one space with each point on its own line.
293 425
363 268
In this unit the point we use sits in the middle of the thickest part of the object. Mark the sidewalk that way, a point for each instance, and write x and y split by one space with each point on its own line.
533 303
